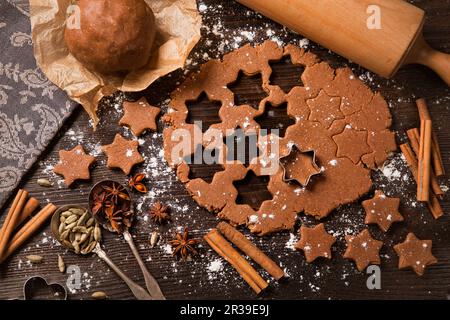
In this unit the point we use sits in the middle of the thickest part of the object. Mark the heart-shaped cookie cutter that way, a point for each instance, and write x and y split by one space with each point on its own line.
34 285
313 164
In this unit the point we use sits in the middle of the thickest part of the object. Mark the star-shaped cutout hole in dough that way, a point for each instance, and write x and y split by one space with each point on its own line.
74 165
123 154
325 109
415 253
139 116
352 144
363 249
299 166
315 242
382 210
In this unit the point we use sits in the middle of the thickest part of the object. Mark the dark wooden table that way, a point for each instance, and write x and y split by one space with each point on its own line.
229 25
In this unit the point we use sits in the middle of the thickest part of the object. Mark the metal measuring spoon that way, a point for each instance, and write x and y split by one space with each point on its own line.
139 292
150 282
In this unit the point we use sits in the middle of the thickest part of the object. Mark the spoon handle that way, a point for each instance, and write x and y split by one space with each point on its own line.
150 282
137 290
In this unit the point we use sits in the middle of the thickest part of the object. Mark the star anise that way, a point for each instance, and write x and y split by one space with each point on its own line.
159 212
182 245
137 184
100 203
119 219
116 192
114 220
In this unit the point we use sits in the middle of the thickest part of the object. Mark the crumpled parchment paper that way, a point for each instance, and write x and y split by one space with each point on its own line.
178 30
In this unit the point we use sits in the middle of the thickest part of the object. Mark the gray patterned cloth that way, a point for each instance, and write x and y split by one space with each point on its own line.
32 109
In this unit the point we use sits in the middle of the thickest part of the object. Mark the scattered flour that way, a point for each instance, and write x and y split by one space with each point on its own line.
291 242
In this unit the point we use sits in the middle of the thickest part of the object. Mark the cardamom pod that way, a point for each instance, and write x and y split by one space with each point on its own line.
70 226
91 236
79 229
64 235
34 258
66 214
71 236
61 264
82 219
44 183
71 219
77 211
84 245
76 247
90 222
154 239
61 228
89 248
99 295
97 233
83 238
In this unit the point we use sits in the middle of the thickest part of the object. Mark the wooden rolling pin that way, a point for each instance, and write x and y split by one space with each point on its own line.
342 26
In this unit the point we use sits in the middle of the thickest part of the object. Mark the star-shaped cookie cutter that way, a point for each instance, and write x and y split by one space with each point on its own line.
303 174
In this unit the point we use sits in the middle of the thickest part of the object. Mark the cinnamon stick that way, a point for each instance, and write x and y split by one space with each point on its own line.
11 219
424 156
436 155
414 136
433 204
422 108
240 241
435 149
224 249
28 230
31 205
435 207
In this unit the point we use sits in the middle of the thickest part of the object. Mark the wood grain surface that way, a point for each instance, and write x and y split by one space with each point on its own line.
337 278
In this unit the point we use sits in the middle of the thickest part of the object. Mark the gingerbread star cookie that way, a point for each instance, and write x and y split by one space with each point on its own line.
139 116
123 154
415 253
363 249
382 210
352 144
74 165
325 109
315 242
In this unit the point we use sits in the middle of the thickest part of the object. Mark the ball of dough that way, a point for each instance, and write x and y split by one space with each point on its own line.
113 35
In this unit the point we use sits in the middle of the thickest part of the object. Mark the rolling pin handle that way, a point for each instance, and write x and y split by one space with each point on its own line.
423 54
